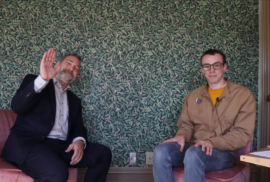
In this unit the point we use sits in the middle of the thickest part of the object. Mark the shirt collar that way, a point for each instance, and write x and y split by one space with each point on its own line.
56 83
225 93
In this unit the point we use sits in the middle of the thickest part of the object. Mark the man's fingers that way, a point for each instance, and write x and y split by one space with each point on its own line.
74 157
181 148
54 54
209 151
203 147
206 146
198 144
178 139
77 156
50 52
51 56
168 141
48 56
75 161
78 153
69 148
44 57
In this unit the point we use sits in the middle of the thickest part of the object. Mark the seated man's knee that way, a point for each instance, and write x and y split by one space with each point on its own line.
57 175
107 153
192 155
104 152
163 152
62 175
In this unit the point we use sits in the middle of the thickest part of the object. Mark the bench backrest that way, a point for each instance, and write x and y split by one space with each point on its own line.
7 120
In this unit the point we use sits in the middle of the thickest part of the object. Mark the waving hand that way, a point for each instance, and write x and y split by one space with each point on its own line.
47 71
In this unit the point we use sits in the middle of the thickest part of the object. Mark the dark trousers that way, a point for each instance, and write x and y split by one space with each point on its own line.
49 162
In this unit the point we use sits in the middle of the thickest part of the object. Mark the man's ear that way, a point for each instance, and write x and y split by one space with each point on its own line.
225 67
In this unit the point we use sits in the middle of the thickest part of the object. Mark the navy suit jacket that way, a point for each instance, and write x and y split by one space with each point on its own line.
35 119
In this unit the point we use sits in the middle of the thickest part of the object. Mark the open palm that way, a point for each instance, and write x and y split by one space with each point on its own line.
47 71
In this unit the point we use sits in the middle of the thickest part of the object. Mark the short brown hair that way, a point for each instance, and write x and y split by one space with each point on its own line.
213 52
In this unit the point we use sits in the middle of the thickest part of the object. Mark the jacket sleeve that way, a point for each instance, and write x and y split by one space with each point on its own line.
25 97
242 130
184 124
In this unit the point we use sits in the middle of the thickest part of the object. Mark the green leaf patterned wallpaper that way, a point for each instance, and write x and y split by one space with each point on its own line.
140 59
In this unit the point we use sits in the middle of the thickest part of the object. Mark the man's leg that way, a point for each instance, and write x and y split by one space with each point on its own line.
197 163
97 158
43 163
165 156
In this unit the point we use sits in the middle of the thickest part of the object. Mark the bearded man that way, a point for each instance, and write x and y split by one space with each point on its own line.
48 135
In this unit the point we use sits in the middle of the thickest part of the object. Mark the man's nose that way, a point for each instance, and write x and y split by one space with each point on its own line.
212 68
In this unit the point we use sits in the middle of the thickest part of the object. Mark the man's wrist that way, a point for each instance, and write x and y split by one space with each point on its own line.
77 141
39 84
82 142
207 140
81 139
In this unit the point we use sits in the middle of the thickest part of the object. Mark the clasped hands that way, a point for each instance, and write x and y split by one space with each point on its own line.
206 144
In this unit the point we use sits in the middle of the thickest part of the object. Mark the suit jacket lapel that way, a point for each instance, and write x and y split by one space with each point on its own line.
52 97
70 113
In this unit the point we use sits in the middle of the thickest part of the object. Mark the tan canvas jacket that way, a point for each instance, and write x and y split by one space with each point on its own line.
229 125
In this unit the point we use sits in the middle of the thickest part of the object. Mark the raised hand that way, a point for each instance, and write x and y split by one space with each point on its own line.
47 71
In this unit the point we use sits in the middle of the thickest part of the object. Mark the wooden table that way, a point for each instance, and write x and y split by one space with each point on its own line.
256 159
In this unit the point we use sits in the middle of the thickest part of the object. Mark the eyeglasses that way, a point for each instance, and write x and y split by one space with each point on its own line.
216 66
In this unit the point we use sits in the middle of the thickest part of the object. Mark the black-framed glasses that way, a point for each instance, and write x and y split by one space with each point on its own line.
216 66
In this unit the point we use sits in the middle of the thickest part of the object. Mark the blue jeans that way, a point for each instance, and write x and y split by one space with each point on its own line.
196 162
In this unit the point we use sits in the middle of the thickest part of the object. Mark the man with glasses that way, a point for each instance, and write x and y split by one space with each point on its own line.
216 119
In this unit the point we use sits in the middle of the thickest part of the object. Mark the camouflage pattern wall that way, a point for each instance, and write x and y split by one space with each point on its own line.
140 59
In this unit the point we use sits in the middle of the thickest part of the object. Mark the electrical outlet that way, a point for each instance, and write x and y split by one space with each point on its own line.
132 158
149 158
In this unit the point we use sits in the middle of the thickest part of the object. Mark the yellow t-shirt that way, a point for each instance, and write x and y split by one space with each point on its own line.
214 94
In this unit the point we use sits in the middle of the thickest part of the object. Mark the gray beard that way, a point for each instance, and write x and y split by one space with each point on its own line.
65 77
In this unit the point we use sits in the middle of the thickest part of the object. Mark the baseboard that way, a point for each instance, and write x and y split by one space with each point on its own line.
125 174
145 174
